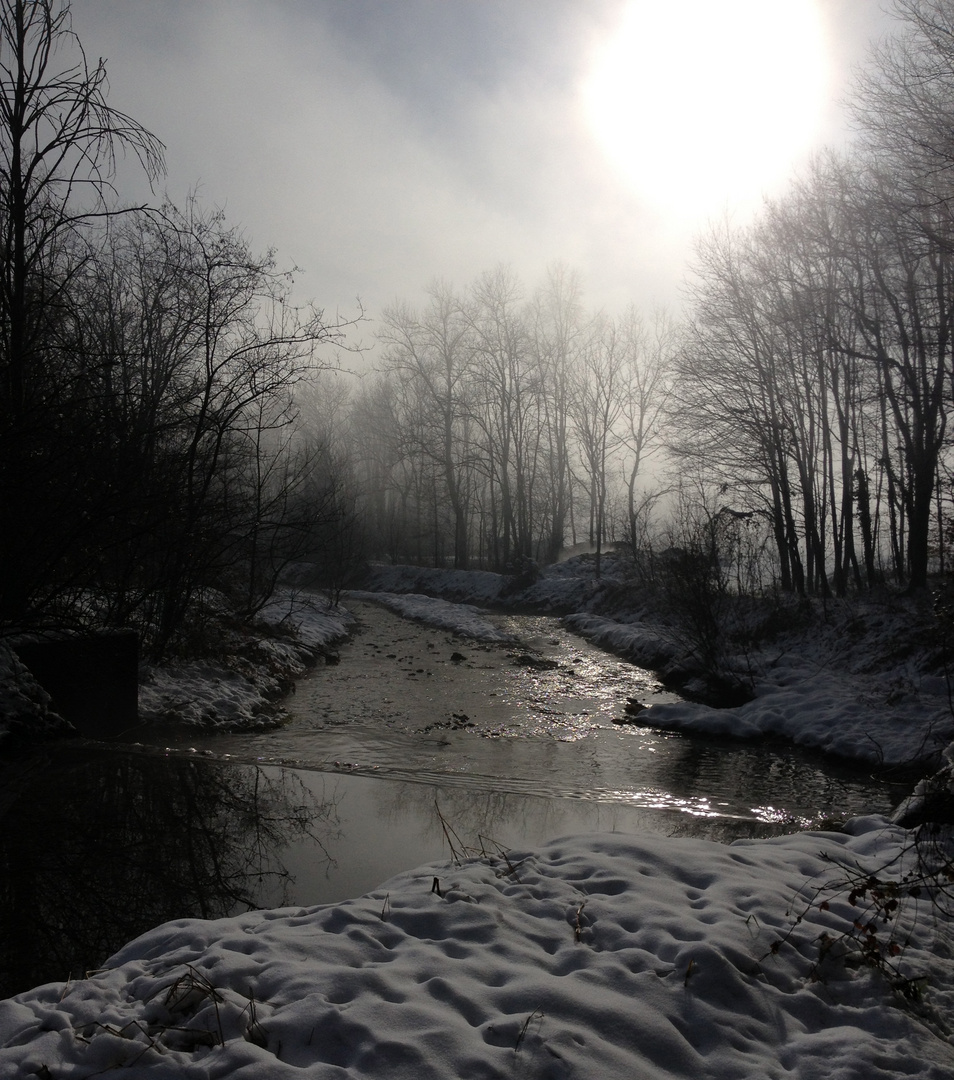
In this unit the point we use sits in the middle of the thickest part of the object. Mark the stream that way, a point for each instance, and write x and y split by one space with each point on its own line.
416 746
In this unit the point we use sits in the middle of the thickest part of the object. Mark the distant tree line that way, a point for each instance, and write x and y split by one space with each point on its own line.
151 455
500 423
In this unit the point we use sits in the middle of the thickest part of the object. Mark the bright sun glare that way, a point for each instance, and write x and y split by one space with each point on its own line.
703 103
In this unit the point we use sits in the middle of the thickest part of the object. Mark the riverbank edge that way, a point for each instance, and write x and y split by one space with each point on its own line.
863 679
888 647
238 679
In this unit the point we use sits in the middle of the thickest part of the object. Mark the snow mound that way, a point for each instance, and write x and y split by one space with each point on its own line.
602 956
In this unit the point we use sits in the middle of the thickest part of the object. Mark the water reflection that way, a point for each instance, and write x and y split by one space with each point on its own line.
391 826
96 848
772 782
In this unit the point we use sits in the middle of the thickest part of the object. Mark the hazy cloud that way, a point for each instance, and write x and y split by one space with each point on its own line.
379 145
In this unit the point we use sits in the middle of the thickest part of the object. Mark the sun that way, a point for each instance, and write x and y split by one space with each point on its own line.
699 103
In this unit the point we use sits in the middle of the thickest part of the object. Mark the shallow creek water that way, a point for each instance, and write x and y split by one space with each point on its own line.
416 745
533 717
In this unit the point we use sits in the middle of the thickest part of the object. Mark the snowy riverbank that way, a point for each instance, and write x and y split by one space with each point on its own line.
242 691
607 955
238 687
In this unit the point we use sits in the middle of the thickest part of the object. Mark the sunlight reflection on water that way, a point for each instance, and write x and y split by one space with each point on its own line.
535 717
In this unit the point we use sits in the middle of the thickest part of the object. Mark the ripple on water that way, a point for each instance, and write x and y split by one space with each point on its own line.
534 717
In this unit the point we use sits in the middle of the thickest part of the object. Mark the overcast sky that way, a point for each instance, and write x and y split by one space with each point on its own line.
380 144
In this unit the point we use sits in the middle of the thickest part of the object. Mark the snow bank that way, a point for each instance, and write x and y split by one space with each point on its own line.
563 587
241 691
852 685
24 704
834 714
462 619
881 716
472 586
602 956
648 646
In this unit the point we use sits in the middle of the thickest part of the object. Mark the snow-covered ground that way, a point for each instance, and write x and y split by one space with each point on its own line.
609 956
465 620
241 691
604 956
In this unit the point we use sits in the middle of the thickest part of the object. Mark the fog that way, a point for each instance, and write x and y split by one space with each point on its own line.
378 146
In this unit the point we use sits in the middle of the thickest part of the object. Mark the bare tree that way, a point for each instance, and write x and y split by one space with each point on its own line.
906 321
728 407
506 409
184 348
905 108
58 144
647 364
378 453
596 406
904 101
559 328
431 350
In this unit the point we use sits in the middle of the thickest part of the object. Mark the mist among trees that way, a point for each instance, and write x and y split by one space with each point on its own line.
498 423
798 412
171 433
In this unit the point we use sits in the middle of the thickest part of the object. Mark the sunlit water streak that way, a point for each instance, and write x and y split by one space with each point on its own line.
538 717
